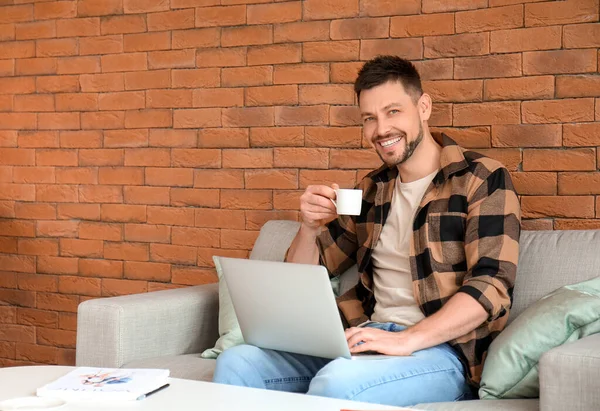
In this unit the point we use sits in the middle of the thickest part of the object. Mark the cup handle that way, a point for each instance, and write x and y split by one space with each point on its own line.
334 203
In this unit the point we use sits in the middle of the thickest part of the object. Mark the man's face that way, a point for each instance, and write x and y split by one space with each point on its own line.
391 122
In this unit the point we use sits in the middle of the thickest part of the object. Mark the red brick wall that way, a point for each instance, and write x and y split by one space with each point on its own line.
140 137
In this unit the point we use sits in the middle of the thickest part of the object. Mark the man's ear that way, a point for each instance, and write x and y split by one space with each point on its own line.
424 106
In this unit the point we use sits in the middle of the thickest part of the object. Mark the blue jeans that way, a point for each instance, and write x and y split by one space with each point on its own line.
431 375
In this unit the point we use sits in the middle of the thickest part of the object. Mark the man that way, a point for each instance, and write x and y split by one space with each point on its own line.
436 246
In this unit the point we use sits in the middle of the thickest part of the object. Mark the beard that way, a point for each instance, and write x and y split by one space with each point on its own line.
408 150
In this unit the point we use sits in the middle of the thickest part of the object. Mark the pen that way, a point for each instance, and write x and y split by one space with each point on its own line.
141 397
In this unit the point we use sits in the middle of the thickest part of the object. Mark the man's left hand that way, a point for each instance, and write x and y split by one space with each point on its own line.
385 342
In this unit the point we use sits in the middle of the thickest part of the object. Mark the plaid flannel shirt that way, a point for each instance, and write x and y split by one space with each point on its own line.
465 238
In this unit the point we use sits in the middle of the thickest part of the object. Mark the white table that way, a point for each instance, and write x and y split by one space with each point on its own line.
182 395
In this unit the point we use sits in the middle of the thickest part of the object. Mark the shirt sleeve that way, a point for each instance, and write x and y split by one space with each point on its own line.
337 245
492 243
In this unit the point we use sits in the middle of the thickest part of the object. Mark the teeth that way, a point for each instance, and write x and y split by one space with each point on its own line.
389 142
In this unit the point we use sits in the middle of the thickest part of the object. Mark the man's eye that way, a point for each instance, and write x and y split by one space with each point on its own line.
367 119
394 111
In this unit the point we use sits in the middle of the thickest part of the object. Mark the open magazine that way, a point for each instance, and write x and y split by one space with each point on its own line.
106 384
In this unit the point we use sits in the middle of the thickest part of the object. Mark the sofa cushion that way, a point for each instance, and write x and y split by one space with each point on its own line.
188 367
567 314
551 259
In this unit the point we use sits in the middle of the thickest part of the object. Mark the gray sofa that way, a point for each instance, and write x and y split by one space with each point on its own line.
168 329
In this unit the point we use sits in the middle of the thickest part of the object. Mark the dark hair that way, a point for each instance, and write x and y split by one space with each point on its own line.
382 69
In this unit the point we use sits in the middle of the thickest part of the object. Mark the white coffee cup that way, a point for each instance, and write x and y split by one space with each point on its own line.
348 201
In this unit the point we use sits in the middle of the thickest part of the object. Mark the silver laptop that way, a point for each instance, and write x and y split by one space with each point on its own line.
287 307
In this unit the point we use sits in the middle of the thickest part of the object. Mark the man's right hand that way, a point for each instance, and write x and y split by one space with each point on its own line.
316 207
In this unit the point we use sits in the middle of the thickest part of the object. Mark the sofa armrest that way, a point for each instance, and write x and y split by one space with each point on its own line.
113 331
570 376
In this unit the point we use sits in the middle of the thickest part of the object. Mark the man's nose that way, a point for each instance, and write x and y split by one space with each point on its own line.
383 128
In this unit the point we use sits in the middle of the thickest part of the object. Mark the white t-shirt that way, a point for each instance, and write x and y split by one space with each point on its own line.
395 300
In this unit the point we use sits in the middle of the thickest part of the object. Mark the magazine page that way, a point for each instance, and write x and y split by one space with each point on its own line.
111 384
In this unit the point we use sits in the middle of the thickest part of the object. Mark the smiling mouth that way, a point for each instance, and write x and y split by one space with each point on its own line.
389 142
